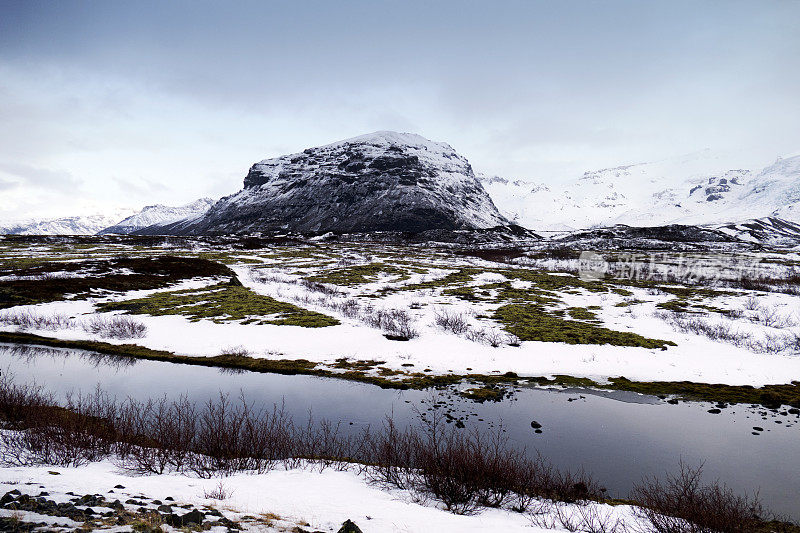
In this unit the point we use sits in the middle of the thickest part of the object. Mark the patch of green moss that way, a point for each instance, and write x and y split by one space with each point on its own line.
223 302
460 276
768 395
544 281
361 274
628 303
532 323
356 365
581 313
490 393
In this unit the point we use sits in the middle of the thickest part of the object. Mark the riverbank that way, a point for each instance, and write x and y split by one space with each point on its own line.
771 396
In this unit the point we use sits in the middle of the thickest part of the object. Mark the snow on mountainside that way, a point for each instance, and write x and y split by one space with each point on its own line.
768 230
696 189
383 181
77 225
157 215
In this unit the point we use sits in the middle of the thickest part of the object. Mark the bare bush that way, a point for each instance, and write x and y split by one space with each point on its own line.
771 317
752 303
452 321
794 342
396 323
116 327
682 504
720 331
587 518
492 337
30 320
236 351
463 470
219 492
47 434
327 290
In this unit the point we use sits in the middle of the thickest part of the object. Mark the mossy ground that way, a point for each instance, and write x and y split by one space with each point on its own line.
361 274
222 302
491 393
95 276
531 323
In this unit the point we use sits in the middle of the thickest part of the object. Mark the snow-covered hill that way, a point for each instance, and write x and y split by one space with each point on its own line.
383 181
75 225
768 230
696 189
158 215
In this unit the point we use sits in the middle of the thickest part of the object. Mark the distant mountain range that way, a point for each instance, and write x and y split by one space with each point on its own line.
159 215
74 225
674 191
121 222
389 181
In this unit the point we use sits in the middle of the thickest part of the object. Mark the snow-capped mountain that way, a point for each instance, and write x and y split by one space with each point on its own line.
383 181
76 225
158 215
768 230
696 189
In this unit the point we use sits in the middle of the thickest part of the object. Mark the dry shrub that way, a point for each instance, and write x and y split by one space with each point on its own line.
28 320
454 322
219 492
116 327
682 504
463 470
721 331
396 323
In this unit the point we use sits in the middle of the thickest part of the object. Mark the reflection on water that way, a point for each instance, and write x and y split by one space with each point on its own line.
30 353
617 436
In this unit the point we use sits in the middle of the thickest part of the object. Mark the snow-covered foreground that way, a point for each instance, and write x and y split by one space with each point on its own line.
312 500
410 280
695 358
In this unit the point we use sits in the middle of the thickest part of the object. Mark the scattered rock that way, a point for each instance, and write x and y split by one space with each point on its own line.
193 517
349 527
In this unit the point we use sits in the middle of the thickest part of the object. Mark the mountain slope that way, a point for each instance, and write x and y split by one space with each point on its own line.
384 181
769 230
77 225
695 189
159 215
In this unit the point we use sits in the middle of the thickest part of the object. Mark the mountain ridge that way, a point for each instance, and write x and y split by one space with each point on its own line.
158 215
652 194
382 181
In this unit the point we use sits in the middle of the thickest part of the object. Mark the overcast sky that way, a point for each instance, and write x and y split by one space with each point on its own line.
113 103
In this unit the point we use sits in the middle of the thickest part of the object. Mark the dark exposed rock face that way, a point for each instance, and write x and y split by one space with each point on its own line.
383 181
669 233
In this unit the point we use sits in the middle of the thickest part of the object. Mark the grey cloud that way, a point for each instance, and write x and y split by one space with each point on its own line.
41 177
142 187
6 185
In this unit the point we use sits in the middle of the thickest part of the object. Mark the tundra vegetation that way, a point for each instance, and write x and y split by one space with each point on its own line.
495 297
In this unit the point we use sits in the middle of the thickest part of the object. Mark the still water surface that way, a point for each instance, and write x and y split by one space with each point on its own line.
618 437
